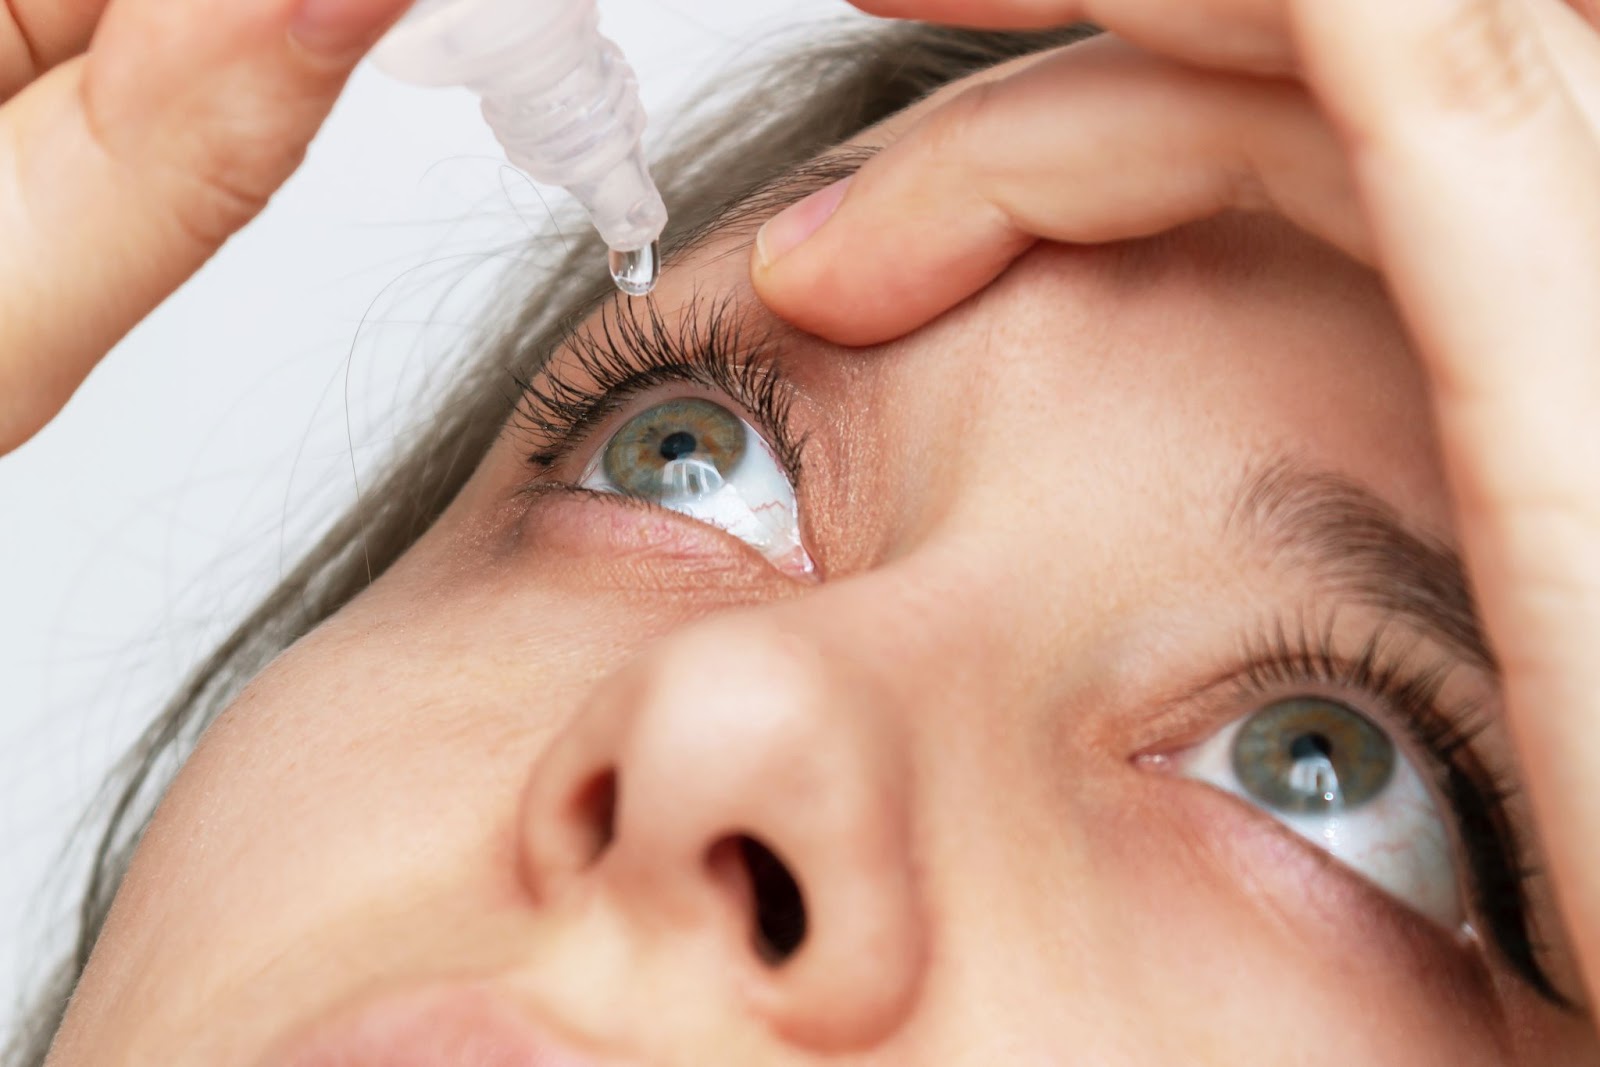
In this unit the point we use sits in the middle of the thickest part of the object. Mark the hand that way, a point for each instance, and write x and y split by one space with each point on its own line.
124 166
1452 144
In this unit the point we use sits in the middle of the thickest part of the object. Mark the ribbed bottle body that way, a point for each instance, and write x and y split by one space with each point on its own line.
558 95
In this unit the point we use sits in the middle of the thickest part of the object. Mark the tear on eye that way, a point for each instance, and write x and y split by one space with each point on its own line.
697 458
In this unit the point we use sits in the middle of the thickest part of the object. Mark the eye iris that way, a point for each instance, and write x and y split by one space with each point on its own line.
681 444
1312 756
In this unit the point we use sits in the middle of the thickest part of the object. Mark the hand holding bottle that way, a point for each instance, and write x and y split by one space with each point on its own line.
136 136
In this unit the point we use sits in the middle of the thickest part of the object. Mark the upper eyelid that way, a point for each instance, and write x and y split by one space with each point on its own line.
626 349
636 402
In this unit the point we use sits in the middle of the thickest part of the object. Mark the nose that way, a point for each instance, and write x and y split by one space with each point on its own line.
741 785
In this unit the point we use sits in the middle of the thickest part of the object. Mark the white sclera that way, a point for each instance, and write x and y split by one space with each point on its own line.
754 502
1397 840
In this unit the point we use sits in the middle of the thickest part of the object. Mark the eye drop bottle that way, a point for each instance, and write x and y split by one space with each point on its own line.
561 100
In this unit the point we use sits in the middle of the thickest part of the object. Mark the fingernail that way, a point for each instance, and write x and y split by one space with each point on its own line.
340 26
785 230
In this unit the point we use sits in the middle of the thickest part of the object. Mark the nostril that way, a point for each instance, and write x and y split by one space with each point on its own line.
780 910
594 811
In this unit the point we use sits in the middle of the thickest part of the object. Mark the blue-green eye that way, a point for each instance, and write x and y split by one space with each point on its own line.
1337 779
696 457
656 453
1312 756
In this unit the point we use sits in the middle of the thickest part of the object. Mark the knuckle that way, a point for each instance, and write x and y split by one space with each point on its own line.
206 169
956 136
952 127
1486 61
212 202
223 174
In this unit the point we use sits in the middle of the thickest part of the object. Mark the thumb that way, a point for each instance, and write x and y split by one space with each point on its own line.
1096 142
123 170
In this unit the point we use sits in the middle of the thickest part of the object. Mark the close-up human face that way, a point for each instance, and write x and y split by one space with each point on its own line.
1087 677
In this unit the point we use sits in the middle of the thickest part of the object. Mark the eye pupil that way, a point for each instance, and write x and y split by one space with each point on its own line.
678 444
1310 746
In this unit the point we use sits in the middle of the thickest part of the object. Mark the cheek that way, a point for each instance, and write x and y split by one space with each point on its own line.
364 786
1244 938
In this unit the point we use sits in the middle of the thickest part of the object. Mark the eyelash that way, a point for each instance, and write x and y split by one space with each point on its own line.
1278 658
632 348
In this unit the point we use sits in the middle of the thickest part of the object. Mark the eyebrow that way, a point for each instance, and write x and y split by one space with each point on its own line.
1358 544
746 210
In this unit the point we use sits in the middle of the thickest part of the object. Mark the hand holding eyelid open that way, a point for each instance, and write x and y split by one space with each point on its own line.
1098 142
1452 144
125 166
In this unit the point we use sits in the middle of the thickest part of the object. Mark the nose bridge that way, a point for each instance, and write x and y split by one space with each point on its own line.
744 782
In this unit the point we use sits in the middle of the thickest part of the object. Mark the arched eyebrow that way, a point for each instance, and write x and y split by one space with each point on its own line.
1351 540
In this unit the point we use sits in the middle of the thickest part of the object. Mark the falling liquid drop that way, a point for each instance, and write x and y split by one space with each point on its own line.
636 271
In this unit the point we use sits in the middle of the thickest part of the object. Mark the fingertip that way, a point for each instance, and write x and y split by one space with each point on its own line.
804 301
820 299
790 227
876 288
798 274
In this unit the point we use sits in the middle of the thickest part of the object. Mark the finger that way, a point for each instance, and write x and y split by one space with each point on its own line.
1242 35
35 35
1481 177
123 170
1099 142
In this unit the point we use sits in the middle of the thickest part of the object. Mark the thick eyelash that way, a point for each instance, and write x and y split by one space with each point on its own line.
628 350
1280 658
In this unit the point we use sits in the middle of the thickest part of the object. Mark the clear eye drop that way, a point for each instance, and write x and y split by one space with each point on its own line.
561 100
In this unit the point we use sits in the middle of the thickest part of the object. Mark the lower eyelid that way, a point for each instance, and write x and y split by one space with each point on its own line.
1311 897
583 523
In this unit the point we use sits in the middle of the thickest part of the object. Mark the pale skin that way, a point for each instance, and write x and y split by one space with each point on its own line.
1020 510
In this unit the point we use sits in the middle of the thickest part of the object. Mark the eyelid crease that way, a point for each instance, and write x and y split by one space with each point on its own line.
630 347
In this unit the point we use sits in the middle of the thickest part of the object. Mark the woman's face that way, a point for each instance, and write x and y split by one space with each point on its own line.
1119 720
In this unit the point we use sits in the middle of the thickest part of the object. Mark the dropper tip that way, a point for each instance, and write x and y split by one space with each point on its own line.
635 271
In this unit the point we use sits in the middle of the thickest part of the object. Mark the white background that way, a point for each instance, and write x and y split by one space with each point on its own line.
190 468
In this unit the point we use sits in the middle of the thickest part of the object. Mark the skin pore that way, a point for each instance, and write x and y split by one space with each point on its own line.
1041 559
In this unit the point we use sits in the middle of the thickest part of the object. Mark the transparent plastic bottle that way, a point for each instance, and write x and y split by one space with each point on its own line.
560 99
